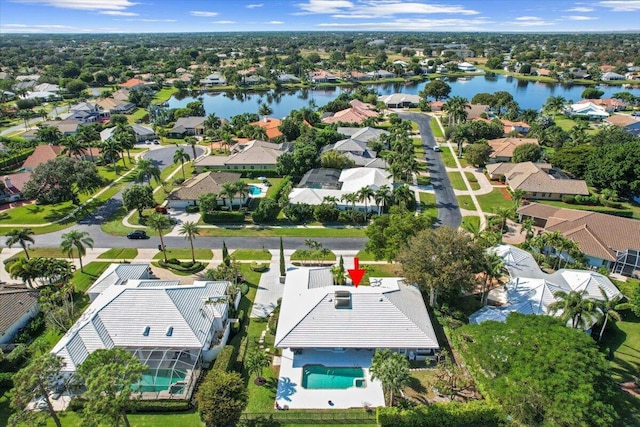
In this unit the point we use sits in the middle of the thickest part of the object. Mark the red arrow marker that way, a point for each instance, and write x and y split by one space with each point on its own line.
357 273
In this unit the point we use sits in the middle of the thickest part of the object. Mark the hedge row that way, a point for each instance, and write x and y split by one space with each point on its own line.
275 195
15 160
225 359
183 267
454 414
259 267
223 217
77 405
592 200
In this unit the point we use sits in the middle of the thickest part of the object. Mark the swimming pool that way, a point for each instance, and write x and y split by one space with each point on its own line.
254 191
323 377
162 379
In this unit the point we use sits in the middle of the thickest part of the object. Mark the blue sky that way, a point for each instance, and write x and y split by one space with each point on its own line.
109 16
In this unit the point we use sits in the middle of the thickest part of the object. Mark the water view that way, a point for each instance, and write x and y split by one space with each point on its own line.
528 94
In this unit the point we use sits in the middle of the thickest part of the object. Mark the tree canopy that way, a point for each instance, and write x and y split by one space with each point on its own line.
616 167
388 234
540 371
138 197
221 397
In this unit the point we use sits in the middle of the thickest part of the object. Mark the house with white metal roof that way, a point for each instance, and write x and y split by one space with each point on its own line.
173 329
530 290
336 326
118 275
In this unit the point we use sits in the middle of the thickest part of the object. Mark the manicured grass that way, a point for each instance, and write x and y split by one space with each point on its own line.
447 158
113 224
627 288
164 94
275 183
251 254
435 128
471 222
82 280
137 115
380 270
365 256
180 419
428 202
119 253
634 207
185 253
466 202
424 180
456 181
40 252
310 256
490 202
473 181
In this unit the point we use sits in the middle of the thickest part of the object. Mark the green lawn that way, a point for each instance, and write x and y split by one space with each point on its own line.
283 232
185 253
471 222
39 252
435 128
119 253
473 181
456 181
180 419
466 202
566 124
251 254
424 180
447 158
623 338
300 255
82 280
137 115
380 270
490 202
428 202
365 256
164 94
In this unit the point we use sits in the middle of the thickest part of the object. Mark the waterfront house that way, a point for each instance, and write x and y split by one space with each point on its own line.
187 126
270 125
254 154
204 183
358 113
502 148
587 110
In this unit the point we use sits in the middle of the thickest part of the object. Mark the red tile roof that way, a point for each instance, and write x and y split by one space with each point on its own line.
270 125
42 154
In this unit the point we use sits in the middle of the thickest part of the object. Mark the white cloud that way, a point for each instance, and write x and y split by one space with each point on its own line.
452 24
581 9
117 13
203 13
84 4
528 18
41 28
153 20
224 22
579 18
275 22
531 21
254 6
378 8
622 5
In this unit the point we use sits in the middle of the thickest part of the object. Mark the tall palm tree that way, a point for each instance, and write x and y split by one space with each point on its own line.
125 135
403 195
610 307
21 236
159 222
190 230
192 141
88 136
213 122
228 191
147 170
382 197
265 110
180 157
516 195
72 147
392 369
494 269
527 226
456 108
575 306
242 188
364 194
80 240
111 149
350 198
504 214
554 104
25 270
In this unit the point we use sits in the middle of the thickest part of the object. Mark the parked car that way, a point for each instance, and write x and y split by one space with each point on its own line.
436 148
636 114
137 234
161 209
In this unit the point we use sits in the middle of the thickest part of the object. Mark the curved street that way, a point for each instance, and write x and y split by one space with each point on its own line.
448 209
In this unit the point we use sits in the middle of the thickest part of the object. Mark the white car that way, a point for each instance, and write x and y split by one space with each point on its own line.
436 148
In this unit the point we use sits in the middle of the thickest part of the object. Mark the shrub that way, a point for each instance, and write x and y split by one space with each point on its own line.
192 209
259 267
326 212
569 198
173 261
587 200
240 316
223 361
31 330
77 405
352 217
266 211
223 217
186 267
241 352
610 204
179 180
454 414
244 289
299 212
235 329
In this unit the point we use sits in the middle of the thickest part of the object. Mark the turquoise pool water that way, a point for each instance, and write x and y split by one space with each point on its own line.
323 377
254 191
161 380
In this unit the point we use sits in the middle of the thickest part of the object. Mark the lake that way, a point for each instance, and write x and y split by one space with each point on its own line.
527 94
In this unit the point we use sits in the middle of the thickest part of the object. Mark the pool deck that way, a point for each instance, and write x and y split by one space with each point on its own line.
292 394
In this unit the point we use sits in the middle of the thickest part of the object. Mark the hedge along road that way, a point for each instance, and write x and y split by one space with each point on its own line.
448 209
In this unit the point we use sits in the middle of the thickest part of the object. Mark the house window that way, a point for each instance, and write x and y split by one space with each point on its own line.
146 331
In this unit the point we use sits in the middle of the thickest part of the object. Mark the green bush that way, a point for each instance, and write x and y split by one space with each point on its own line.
77 405
186 267
352 217
223 217
244 289
610 204
259 267
266 211
235 329
193 209
454 414
275 194
569 198
31 330
241 352
587 200
179 180
223 361
240 316
175 261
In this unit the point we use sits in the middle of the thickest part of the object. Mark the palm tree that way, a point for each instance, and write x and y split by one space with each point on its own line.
147 170
265 110
125 135
87 136
350 198
494 269
25 270
190 230
22 236
255 362
527 226
403 195
159 222
504 214
111 149
228 190
243 189
213 122
364 194
516 195
382 197
456 108
610 307
392 369
192 141
575 306
80 240
555 104
180 157
72 147
227 140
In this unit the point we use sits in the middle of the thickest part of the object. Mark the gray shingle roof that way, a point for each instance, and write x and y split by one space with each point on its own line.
15 301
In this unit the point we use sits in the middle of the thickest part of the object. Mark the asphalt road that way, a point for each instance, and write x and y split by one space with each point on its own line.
446 202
